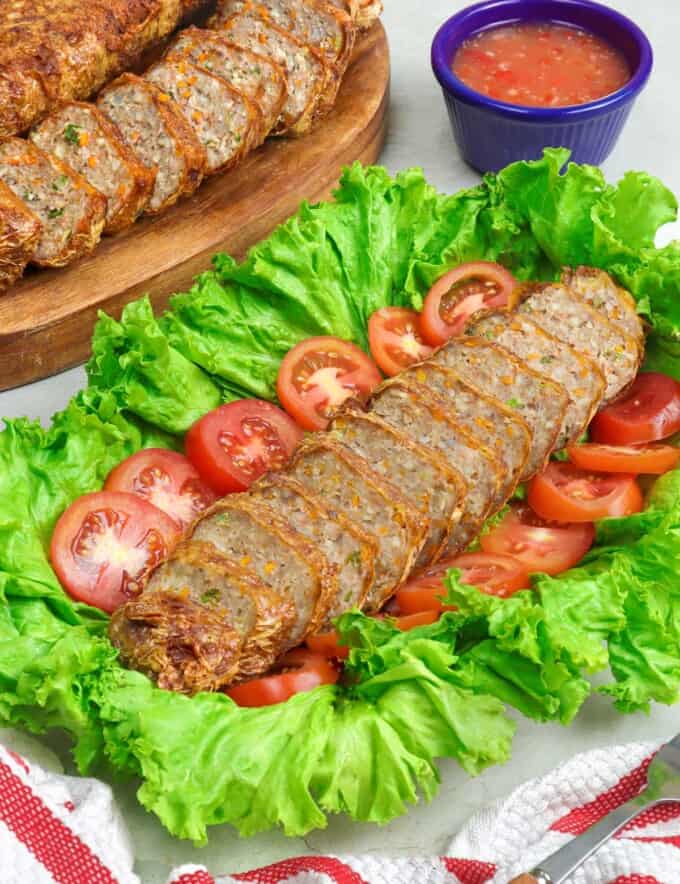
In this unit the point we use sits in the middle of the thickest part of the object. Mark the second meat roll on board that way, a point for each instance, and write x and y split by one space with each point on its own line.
405 481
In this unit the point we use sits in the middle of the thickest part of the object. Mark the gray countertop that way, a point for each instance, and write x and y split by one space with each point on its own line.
419 136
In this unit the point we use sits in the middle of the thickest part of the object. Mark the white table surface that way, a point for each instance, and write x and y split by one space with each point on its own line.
419 135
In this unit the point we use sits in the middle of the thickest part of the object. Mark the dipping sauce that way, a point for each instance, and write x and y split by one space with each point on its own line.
540 65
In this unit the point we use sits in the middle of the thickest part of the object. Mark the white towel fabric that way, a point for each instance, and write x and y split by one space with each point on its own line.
67 830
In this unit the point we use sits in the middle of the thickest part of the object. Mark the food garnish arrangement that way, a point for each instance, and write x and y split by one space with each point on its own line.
409 464
85 169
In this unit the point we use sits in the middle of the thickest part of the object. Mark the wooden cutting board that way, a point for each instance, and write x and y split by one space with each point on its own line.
46 319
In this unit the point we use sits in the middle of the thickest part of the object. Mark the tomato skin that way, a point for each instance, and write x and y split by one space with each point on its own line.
98 536
327 644
652 460
648 411
492 573
564 493
166 479
541 546
319 374
235 444
462 292
406 622
306 672
396 339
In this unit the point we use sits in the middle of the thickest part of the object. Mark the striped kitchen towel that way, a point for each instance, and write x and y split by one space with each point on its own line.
67 830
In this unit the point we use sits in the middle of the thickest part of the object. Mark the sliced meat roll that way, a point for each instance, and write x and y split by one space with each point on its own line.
541 402
256 538
154 127
369 12
349 549
79 134
226 122
422 475
580 376
503 430
253 74
599 290
261 616
347 485
182 644
561 312
20 230
410 407
327 30
71 212
305 72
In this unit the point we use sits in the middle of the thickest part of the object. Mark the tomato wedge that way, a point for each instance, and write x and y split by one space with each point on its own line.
647 412
166 479
462 292
236 443
104 543
396 340
319 374
653 459
566 494
492 573
547 547
299 670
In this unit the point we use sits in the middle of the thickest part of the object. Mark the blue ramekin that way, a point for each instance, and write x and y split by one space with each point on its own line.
491 134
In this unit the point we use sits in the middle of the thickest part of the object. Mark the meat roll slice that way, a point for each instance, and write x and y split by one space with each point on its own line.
599 290
327 30
561 312
369 12
253 536
71 212
422 475
305 72
412 409
79 134
253 74
183 645
226 122
347 485
580 376
540 401
154 127
502 429
349 549
198 572
20 231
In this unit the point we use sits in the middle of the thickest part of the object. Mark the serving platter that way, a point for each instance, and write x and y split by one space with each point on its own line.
46 319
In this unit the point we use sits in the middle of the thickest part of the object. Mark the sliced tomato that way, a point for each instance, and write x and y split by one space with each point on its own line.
104 543
396 340
462 292
541 546
652 459
328 644
494 574
166 479
648 411
236 443
298 671
319 374
406 622
566 494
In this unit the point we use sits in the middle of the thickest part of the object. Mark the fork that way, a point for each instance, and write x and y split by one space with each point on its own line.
663 786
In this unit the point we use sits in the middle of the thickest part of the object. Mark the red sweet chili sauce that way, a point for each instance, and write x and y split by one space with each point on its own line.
540 65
